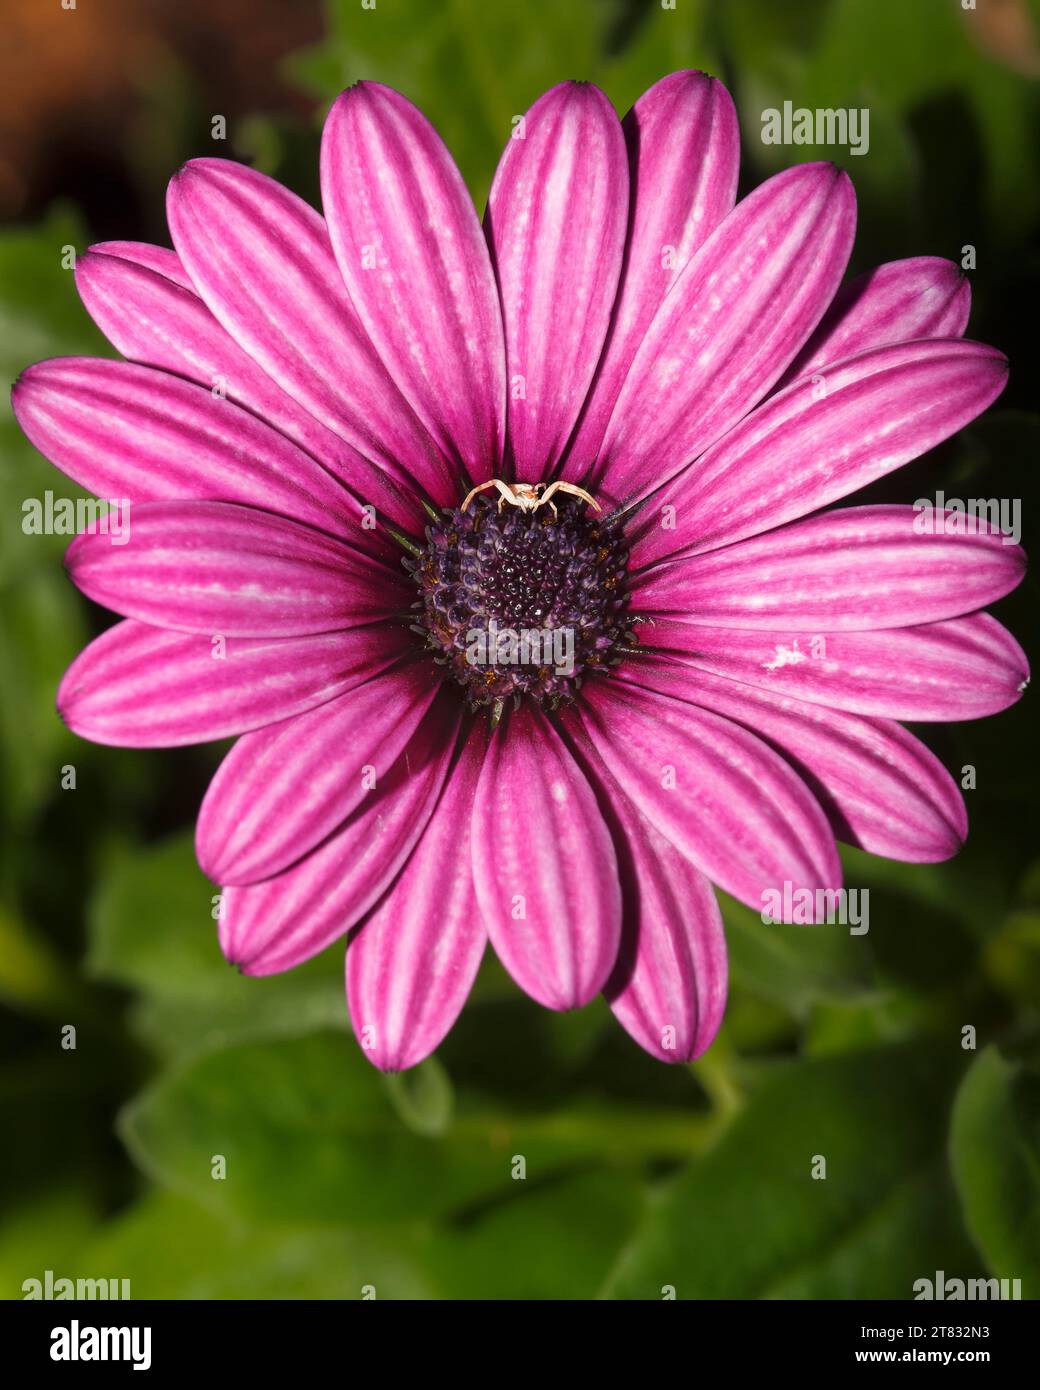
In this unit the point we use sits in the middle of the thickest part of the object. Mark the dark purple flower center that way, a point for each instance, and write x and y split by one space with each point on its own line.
523 603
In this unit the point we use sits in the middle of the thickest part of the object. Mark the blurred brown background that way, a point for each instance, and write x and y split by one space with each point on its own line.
84 102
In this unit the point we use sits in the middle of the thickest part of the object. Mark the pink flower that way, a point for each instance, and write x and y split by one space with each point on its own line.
303 398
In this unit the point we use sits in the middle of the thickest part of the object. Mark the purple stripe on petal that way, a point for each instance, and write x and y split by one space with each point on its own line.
544 865
260 258
733 321
823 438
158 324
144 687
555 223
410 249
964 668
880 787
725 799
124 431
668 987
411 965
923 297
683 151
157 258
282 790
220 569
844 571
272 926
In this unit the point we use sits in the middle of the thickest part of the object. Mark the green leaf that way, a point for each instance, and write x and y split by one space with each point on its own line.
1012 956
411 47
42 624
45 1233
171 1247
151 928
309 1135
548 1240
908 1235
32 975
555 1240
40 316
922 933
41 630
423 1098
941 891
748 1220
929 51
919 71
793 965
151 923
861 1023
61 1100
995 1152
664 41
40 312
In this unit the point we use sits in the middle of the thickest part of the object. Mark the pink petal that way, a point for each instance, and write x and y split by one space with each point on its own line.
159 324
684 151
923 297
159 259
411 965
128 432
556 222
283 789
881 788
219 569
960 669
410 249
144 687
274 925
544 865
802 449
261 259
845 571
723 798
668 990
668 987
735 318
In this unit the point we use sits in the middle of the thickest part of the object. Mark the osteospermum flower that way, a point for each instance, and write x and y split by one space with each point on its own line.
309 401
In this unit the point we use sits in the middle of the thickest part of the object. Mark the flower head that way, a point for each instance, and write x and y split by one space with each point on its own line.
503 550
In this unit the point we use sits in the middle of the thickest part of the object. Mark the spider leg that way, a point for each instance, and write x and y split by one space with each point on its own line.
506 493
481 487
547 491
560 486
579 492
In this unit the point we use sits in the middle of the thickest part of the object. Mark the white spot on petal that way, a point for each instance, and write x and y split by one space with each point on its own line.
784 656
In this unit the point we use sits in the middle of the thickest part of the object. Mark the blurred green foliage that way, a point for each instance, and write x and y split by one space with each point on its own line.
638 1177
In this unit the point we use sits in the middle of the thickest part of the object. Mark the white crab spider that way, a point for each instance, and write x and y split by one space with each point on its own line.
529 496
